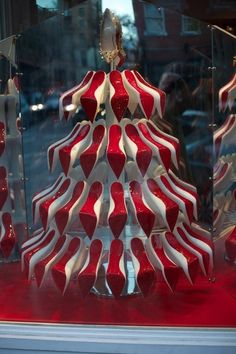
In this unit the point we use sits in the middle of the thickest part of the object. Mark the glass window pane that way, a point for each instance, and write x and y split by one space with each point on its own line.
190 25
163 206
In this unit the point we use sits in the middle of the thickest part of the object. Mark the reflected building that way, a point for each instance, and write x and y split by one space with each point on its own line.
59 51
175 54
84 19
16 16
167 37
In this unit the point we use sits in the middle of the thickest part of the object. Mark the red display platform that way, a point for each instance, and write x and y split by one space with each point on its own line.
211 304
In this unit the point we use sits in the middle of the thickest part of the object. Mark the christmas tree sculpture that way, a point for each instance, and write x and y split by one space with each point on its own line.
117 213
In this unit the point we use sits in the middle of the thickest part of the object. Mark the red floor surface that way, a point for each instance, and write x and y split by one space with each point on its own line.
204 304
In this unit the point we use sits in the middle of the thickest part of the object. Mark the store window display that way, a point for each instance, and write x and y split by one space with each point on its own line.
118 212
124 165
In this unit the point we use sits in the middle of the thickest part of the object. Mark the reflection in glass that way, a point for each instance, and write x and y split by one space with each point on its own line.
224 48
173 53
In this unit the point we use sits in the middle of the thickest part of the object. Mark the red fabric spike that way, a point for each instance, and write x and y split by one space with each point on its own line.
160 92
62 270
171 208
146 100
164 152
8 241
90 212
40 267
145 216
88 275
144 152
115 154
89 157
90 99
120 98
44 208
68 153
145 274
117 216
30 253
63 215
115 271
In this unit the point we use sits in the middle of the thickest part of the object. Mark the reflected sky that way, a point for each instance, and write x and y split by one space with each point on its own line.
47 3
119 7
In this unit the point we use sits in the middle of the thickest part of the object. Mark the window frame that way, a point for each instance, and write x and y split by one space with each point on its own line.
184 30
147 16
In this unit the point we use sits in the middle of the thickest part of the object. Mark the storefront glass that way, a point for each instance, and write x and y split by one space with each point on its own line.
132 281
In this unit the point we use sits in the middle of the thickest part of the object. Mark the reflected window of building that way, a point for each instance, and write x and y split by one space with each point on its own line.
81 11
154 20
48 4
83 58
67 17
190 26
82 24
82 41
